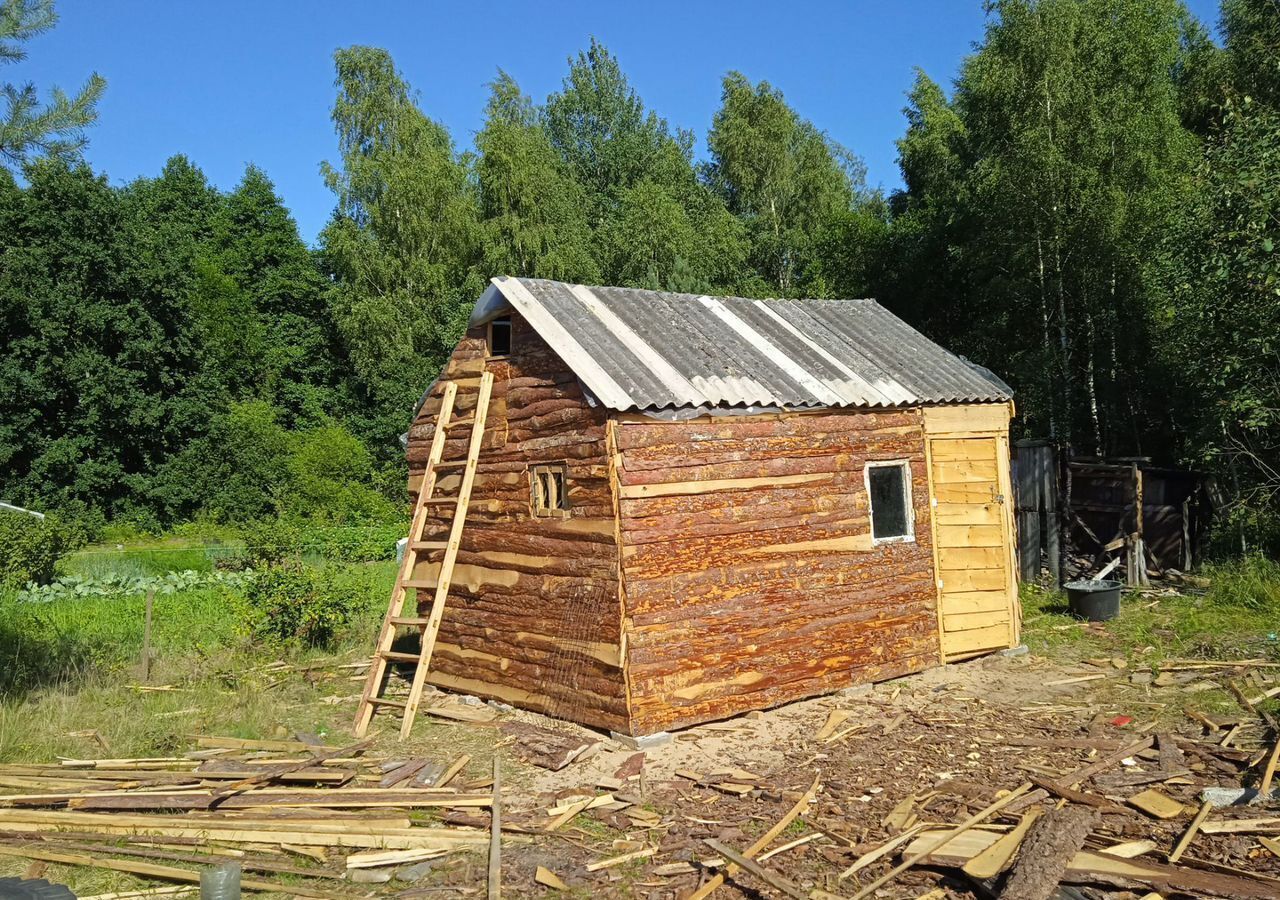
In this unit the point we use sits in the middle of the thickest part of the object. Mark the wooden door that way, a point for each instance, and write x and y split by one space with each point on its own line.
972 538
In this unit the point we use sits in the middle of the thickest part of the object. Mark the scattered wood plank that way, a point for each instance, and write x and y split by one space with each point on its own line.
750 865
1264 788
1189 835
288 768
880 852
1053 841
495 833
1157 804
618 860
1082 797
834 720
231 743
995 859
941 841
764 841
1130 849
150 870
549 879
1087 867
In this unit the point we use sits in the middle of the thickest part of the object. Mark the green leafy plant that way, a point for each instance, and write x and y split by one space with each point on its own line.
290 603
29 548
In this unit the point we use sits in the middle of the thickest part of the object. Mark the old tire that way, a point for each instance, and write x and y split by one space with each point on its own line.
33 889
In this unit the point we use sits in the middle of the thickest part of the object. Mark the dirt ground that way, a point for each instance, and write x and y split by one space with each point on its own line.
950 738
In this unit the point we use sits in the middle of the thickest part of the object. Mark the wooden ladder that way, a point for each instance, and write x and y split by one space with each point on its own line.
420 545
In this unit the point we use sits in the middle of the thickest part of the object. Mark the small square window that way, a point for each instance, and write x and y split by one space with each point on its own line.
889 490
500 336
548 491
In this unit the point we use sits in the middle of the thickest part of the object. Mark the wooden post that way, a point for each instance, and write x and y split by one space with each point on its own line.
495 833
1029 503
1052 515
146 637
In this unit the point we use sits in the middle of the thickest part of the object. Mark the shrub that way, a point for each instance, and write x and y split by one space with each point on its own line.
290 603
29 548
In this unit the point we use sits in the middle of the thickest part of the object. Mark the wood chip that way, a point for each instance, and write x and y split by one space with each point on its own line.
1155 803
618 860
545 876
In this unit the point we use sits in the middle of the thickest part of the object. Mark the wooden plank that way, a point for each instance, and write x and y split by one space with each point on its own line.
961 449
770 878
151 870
971 558
960 602
970 417
940 841
967 580
432 629
1189 835
966 471
956 622
970 536
1088 867
990 638
685 488
968 513
495 834
764 841
995 859
965 492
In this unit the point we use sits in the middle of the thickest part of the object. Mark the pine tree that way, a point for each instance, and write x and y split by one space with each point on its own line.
27 128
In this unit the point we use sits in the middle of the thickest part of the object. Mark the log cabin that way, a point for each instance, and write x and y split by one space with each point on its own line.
687 507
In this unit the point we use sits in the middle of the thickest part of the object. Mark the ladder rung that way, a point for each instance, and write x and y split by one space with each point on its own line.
439 501
407 620
428 545
419 584
450 464
397 656
379 701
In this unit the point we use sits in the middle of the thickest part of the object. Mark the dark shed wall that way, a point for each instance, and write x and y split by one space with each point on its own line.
533 617
749 575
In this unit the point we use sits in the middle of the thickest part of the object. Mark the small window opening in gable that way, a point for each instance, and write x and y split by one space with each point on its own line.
548 485
500 336
889 490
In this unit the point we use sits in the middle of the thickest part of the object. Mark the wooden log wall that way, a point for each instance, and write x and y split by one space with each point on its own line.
749 576
533 617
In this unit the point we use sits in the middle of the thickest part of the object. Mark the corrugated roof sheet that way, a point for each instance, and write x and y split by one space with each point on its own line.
637 349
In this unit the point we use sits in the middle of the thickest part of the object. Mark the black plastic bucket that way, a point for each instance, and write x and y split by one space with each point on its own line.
1096 601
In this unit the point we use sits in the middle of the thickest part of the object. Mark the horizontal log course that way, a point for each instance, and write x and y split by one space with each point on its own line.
533 614
650 434
705 605
649 714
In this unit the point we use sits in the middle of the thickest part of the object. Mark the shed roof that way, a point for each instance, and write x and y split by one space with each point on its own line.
651 350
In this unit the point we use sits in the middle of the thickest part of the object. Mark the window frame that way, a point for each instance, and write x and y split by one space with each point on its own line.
488 337
905 465
540 510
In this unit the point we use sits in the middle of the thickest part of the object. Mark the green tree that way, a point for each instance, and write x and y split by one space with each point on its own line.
784 179
290 336
97 365
534 213
403 244
1252 32
27 127
637 173
1044 190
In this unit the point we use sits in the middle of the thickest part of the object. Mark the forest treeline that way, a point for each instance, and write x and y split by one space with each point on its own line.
1091 210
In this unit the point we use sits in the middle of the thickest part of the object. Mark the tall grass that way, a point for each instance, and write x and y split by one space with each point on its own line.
1252 582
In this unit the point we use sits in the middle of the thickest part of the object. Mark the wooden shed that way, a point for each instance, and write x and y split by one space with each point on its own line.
686 507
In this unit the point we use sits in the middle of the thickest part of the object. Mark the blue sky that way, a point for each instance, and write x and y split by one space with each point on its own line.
230 83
